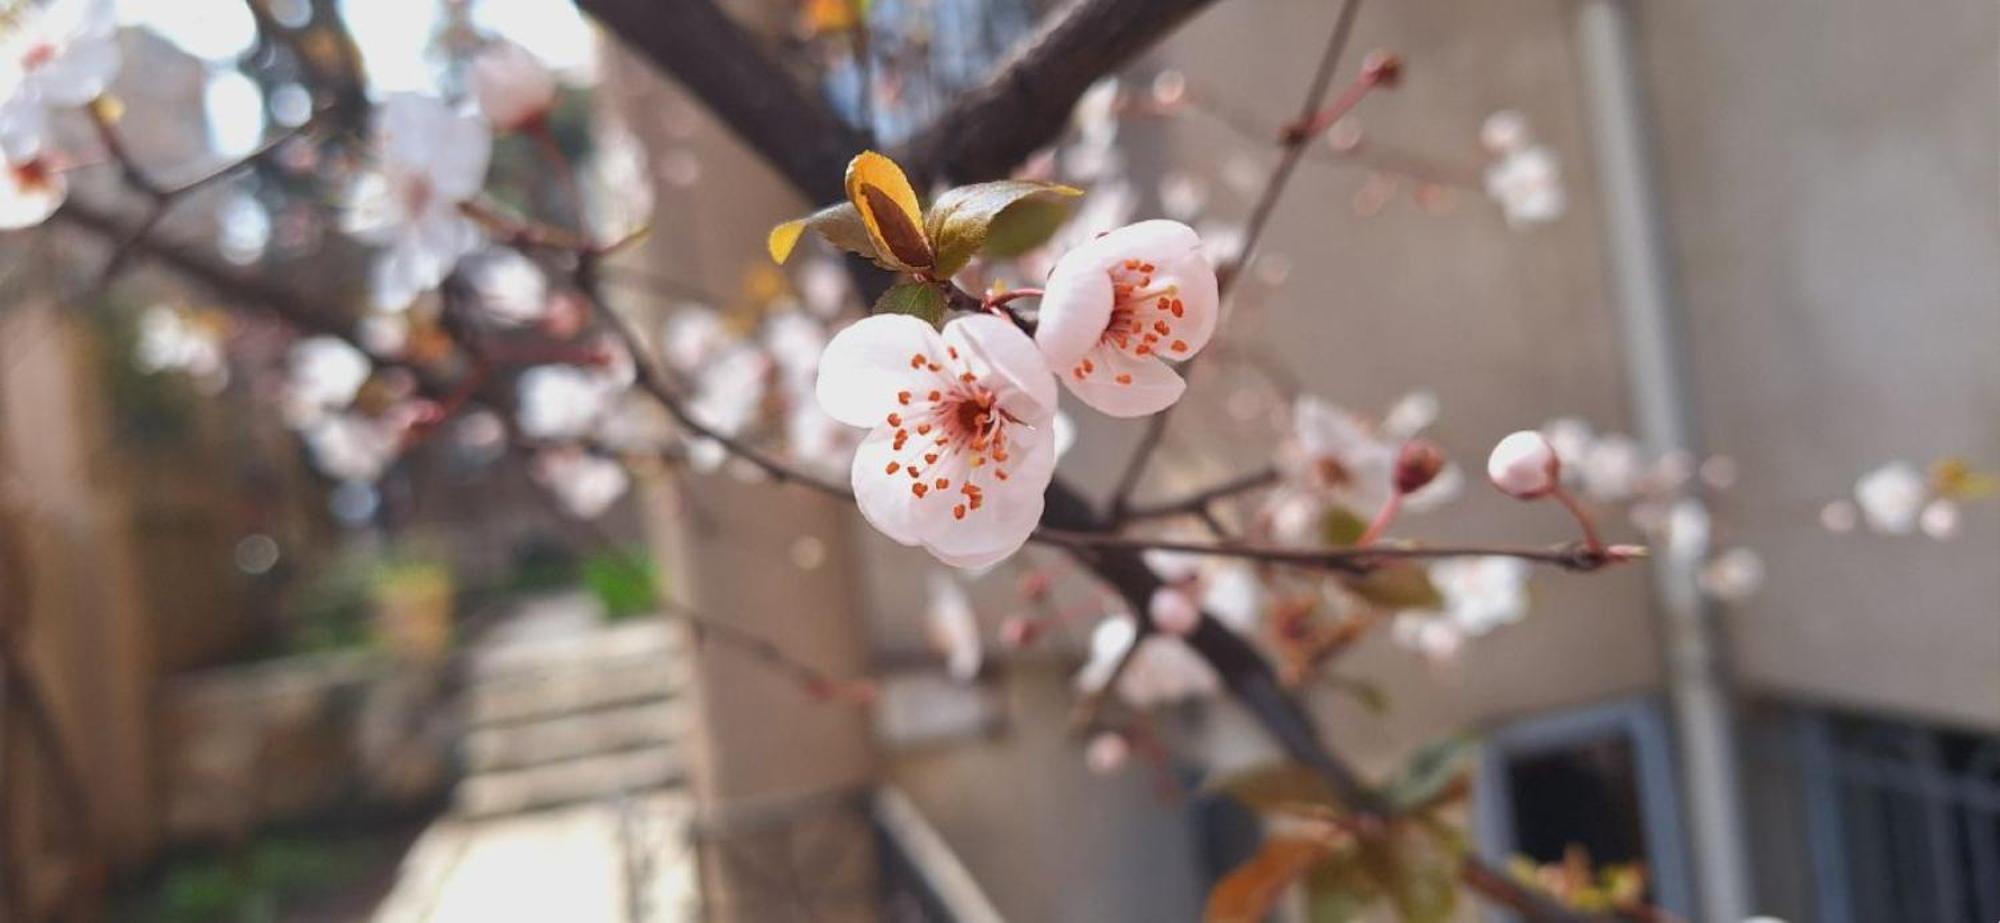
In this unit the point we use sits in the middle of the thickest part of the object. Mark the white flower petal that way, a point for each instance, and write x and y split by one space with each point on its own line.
867 365
995 347
1121 385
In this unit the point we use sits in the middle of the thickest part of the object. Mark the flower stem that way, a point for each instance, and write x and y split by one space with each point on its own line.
1583 518
1384 518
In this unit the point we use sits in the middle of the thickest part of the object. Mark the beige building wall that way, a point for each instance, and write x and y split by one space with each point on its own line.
1833 182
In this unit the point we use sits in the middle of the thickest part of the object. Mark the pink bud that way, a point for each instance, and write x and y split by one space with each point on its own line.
514 88
1173 611
1524 466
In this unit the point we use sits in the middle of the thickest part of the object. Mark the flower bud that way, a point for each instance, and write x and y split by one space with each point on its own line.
1524 466
514 88
1417 465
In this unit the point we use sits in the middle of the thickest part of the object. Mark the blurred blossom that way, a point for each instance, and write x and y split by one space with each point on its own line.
1612 468
1226 588
794 342
1332 456
1733 576
1719 472
256 554
824 284
1891 497
234 108
1434 638
680 167
1410 415
510 286
324 374
53 55
213 30
1504 132
729 390
1482 593
480 436
1182 195
245 229
1839 516
385 335
1096 114
563 401
1173 611
953 627
693 335
585 484
1222 241
618 183
1163 671
513 87
1688 531
1243 173
170 339
1528 186
352 447
808 552
1106 753
1169 87
428 160
1939 519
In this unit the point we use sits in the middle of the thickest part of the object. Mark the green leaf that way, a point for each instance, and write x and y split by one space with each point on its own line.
917 299
1429 772
1341 528
1424 892
964 219
1267 788
1397 585
841 225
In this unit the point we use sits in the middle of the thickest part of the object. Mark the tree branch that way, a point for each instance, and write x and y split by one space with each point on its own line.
991 129
732 74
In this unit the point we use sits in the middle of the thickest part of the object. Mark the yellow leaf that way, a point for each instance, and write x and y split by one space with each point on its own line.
888 206
784 237
1249 891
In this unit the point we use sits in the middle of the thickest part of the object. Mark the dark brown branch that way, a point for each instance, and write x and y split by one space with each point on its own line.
733 74
1577 557
991 129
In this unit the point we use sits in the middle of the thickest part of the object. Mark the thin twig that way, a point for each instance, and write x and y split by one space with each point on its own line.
1253 232
1575 557
1197 503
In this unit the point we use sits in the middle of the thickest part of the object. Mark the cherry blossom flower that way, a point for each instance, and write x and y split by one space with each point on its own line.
1173 611
52 55
1524 466
514 88
170 339
1527 183
1892 497
1163 671
1335 457
1939 520
953 627
795 342
1117 306
351 447
1479 594
728 393
564 401
29 193
510 287
1226 588
960 443
429 160
584 483
324 374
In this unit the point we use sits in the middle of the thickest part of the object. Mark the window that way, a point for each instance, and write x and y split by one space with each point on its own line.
1601 778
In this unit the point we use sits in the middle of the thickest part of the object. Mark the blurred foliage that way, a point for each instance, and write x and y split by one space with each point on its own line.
626 582
261 883
334 609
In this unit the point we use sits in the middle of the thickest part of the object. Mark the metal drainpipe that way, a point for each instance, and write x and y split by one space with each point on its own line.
1651 322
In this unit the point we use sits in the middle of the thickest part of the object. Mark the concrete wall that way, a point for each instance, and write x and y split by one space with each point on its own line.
1833 182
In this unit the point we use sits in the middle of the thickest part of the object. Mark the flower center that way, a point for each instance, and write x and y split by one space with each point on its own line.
33 175
1144 316
949 436
417 193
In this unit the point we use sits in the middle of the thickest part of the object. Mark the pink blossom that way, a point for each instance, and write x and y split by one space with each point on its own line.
1119 305
1524 466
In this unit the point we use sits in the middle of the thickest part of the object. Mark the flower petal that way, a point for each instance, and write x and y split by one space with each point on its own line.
1011 510
867 364
1076 306
1125 386
885 500
1007 361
